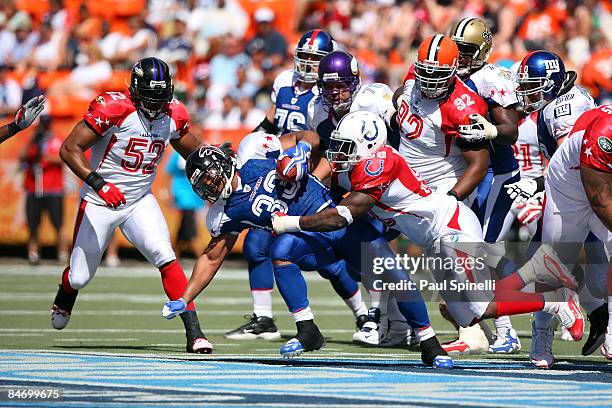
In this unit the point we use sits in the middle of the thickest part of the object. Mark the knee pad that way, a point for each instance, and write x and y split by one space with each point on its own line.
255 249
283 248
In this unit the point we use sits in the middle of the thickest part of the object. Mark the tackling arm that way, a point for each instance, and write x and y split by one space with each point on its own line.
186 144
355 205
289 140
477 166
208 264
598 188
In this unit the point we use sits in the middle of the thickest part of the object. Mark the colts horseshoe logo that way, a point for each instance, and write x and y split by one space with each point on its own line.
369 172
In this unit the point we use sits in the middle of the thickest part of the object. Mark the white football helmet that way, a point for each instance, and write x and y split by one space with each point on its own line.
358 136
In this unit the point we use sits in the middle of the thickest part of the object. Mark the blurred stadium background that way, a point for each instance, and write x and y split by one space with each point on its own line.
225 55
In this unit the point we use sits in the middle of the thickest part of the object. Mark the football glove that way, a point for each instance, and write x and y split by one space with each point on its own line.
173 308
300 157
30 111
283 223
522 190
530 210
111 195
479 129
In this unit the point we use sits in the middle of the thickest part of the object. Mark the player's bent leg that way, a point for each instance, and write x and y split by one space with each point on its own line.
93 227
260 324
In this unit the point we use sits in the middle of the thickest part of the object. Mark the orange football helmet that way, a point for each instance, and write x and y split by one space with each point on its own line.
436 66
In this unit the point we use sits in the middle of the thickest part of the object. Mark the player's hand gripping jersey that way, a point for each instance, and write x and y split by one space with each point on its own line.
260 193
428 130
131 146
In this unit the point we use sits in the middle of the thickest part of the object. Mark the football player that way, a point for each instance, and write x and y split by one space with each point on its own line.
432 106
293 94
494 84
577 195
544 86
246 192
381 182
341 92
24 118
128 133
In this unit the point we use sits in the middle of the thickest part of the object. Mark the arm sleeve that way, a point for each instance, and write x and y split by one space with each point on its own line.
258 145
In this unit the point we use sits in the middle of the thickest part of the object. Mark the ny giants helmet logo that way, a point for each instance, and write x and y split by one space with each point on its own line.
551 66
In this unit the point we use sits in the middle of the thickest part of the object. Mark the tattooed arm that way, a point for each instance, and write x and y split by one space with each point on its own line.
598 187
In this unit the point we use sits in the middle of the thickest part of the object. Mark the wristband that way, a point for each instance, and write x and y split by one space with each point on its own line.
13 128
345 213
95 181
453 194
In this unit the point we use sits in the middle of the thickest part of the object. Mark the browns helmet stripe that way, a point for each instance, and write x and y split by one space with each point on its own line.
434 47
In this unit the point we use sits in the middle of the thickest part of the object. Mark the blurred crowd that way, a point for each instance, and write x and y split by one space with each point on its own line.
225 58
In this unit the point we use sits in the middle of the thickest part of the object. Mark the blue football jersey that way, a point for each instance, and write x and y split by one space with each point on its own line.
260 193
291 104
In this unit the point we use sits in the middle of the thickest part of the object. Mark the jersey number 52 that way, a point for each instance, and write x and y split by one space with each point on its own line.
136 149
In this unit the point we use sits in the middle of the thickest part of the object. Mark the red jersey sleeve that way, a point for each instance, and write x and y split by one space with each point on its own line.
373 176
457 108
180 116
409 74
596 147
108 110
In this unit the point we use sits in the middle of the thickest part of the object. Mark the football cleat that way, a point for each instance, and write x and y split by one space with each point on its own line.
472 340
569 313
62 308
199 345
541 354
598 321
368 334
565 334
506 344
258 327
606 347
433 355
308 338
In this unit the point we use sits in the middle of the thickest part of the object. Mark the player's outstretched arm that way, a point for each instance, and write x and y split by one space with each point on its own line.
24 118
208 264
506 120
477 165
289 140
186 144
598 188
355 205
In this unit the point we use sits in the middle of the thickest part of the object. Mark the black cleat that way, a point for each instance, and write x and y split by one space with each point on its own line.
258 327
598 321
433 355
361 320
196 340
308 338
62 308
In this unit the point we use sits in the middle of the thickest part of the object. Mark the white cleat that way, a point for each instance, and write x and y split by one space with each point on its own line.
472 340
569 314
367 335
549 269
565 334
541 354
59 317
507 343
606 347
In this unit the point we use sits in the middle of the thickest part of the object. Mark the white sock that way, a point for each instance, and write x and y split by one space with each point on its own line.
426 333
304 314
502 325
356 304
588 301
610 314
262 302
379 300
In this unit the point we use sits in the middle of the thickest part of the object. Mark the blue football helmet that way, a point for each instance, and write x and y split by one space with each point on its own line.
540 77
311 48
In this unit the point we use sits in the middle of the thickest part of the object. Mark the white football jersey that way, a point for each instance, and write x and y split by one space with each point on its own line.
527 150
428 130
494 83
558 117
376 98
130 146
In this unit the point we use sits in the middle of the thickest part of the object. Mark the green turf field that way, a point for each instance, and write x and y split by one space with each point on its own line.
120 311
